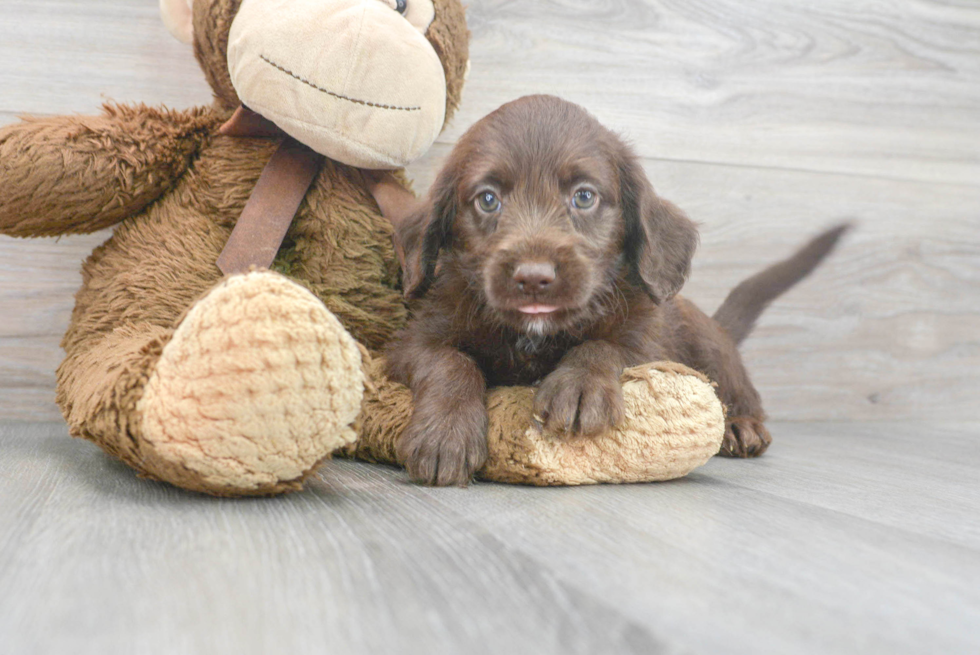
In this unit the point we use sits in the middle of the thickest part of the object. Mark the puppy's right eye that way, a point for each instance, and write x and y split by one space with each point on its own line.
488 202
584 199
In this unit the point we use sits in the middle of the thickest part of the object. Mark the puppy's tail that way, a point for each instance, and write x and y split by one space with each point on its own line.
748 300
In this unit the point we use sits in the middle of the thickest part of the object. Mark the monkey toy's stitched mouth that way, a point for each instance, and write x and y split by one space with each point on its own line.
339 96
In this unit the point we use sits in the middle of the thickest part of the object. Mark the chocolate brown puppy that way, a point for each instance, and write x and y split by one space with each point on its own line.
543 255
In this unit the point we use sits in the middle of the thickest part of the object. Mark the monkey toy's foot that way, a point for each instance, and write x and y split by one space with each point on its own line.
259 383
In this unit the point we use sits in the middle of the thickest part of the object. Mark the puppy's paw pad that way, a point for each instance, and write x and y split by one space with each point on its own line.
745 436
443 457
579 404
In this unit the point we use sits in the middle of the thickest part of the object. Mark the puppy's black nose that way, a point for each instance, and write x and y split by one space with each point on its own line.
534 276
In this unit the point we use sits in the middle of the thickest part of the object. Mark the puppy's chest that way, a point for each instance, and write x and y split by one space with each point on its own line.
519 358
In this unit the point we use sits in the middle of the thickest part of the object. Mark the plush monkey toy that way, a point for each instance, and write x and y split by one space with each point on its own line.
201 370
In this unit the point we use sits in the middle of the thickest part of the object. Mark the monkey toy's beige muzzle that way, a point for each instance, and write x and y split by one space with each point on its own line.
354 80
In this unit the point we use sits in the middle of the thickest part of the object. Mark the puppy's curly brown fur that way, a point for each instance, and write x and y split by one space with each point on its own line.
543 255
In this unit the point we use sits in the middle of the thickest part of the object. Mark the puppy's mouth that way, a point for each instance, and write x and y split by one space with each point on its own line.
537 308
539 318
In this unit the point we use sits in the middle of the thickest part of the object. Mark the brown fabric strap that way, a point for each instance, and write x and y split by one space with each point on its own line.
396 203
270 209
245 122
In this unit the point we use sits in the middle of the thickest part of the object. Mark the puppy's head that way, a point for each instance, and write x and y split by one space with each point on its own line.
544 211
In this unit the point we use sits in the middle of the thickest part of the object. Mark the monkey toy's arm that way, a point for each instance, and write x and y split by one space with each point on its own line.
77 174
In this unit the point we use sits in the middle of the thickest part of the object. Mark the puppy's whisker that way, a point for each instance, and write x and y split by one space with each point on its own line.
622 302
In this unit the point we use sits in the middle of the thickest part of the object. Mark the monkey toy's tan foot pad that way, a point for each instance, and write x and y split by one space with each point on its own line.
674 423
259 383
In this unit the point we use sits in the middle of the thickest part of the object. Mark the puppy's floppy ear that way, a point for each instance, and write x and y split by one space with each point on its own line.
659 240
427 231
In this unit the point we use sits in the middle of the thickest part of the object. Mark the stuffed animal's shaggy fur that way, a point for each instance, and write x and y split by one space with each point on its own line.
174 188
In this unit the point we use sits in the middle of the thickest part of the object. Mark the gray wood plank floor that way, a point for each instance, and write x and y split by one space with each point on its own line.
846 538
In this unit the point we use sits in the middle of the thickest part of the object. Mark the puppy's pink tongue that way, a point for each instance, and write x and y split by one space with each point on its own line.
537 309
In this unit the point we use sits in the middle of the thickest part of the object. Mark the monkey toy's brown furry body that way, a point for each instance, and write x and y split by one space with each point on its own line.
140 342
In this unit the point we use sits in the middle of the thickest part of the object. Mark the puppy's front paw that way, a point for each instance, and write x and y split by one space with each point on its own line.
444 448
579 402
745 436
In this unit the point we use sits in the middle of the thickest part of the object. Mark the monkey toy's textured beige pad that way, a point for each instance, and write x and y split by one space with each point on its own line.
258 384
674 423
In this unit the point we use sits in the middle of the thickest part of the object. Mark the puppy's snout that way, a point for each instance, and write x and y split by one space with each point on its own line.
534 276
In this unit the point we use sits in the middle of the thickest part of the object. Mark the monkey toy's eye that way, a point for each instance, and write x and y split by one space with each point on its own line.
488 202
401 6
584 199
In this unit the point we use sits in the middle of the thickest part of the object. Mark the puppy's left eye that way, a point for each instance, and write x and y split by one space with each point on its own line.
488 202
585 199
401 6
